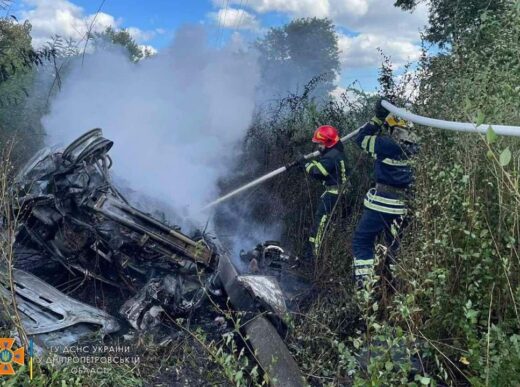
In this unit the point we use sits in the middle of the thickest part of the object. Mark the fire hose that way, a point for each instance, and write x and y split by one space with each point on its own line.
400 112
504 130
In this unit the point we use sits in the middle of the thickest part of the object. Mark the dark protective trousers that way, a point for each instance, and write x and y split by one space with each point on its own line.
321 219
372 224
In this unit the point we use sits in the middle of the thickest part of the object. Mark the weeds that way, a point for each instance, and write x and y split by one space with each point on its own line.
8 228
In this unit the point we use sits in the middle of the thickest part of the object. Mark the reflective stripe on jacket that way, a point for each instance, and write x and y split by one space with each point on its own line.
392 163
330 168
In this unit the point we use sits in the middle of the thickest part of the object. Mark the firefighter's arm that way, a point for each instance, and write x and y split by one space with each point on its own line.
371 128
318 169
366 137
373 143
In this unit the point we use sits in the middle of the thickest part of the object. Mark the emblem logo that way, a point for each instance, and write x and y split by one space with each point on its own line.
8 356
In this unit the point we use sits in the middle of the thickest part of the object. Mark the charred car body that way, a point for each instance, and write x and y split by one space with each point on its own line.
74 223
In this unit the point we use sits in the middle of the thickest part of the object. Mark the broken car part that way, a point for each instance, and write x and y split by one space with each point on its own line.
271 352
76 230
52 317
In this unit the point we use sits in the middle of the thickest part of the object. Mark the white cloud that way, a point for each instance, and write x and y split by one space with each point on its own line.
362 50
375 16
148 50
353 97
354 8
62 17
235 19
141 36
338 92
318 8
377 22
381 17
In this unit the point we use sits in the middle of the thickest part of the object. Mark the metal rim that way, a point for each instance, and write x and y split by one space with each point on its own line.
97 132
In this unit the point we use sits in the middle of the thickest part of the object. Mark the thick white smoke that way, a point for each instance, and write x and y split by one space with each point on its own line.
177 119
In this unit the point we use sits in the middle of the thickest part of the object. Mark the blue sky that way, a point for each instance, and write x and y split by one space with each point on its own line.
150 15
362 25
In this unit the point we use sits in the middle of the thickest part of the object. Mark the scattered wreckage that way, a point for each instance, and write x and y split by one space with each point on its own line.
77 231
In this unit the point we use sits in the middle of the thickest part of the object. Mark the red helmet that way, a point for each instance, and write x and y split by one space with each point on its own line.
326 135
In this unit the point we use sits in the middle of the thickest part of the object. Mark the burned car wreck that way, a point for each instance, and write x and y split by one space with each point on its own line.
76 231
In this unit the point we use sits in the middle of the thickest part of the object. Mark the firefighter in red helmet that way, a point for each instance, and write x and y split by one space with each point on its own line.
331 169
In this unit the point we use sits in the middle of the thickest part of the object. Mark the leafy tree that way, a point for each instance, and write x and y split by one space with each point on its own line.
124 39
18 59
14 41
16 52
449 20
292 55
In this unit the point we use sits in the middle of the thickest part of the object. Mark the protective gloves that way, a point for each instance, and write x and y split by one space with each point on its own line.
380 111
300 163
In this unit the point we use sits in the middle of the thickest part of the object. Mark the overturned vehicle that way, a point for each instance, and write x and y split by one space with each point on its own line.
77 236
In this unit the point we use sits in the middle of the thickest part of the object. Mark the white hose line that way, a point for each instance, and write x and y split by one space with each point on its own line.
269 176
244 187
504 130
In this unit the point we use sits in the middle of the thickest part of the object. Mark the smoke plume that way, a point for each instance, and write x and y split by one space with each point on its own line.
176 119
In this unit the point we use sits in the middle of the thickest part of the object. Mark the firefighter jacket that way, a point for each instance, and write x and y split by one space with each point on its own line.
392 170
330 168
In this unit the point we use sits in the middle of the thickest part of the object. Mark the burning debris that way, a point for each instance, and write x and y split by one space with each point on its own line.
76 228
